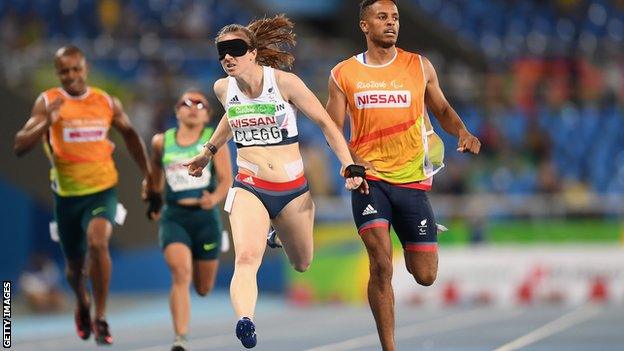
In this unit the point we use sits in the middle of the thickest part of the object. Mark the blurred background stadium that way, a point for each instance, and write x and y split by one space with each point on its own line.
536 216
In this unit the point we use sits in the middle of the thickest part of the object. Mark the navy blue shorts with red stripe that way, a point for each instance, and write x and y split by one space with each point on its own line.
406 209
274 196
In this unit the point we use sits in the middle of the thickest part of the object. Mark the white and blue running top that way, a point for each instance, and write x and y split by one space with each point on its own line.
262 121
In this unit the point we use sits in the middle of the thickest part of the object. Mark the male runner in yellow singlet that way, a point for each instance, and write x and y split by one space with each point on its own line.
386 92
73 121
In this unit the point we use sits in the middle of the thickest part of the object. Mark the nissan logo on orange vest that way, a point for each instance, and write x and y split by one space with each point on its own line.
383 99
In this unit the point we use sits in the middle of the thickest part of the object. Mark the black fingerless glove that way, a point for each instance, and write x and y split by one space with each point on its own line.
154 204
354 171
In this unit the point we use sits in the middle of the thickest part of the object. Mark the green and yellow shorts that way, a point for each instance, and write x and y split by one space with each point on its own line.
193 226
73 214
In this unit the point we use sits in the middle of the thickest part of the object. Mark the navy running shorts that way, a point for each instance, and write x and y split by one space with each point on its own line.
274 196
406 209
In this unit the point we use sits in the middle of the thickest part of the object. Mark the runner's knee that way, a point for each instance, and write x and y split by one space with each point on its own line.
98 233
181 274
423 268
247 258
424 277
204 288
97 244
97 240
301 266
73 272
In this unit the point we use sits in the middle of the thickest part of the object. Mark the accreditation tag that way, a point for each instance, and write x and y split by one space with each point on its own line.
225 241
120 214
54 235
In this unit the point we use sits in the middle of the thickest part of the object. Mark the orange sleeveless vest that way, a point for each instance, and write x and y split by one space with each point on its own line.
78 145
389 125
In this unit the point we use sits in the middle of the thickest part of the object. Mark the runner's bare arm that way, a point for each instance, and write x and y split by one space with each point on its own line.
156 162
223 169
154 195
296 91
449 119
37 125
337 109
336 104
222 133
135 145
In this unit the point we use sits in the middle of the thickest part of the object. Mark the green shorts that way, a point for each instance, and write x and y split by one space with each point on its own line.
73 214
198 229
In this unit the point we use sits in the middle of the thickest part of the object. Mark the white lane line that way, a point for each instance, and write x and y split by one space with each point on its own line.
213 341
562 323
455 321
274 333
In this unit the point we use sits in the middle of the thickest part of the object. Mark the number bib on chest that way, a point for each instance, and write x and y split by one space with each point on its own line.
179 179
254 124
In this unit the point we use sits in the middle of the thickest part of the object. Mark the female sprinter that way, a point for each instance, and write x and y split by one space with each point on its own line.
270 188
190 223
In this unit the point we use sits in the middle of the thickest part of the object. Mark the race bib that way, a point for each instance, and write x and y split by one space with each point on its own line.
254 124
179 179
84 134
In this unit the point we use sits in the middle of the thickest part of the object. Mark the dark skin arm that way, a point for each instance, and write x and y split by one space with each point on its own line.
156 162
135 145
156 174
337 109
445 114
37 125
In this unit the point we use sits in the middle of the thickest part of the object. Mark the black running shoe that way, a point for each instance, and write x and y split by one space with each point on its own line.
246 332
273 241
102 334
82 319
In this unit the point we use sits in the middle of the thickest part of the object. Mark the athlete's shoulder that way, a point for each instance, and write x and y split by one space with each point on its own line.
98 91
220 87
404 55
221 83
403 52
50 94
346 62
101 94
168 136
284 77
280 73
53 90
344 65
158 141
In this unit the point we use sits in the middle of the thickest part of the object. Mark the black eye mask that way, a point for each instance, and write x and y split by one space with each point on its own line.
234 47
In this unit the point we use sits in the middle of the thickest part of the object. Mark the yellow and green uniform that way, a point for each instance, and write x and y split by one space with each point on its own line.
389 125
193 226
391 129
83 173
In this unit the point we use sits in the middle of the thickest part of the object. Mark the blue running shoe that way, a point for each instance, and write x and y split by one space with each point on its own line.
246 332
272 240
